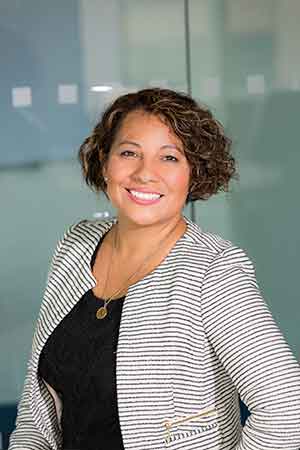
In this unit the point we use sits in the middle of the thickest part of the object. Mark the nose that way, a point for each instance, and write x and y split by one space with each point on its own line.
144 172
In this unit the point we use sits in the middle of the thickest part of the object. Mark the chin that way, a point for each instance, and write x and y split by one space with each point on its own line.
142 219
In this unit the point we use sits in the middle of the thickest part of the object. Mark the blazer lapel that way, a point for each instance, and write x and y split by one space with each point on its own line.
69 279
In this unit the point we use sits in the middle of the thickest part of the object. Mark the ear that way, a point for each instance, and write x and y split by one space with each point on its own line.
104 170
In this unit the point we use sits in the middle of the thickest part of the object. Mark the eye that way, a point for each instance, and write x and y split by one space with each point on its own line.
171 158
128 153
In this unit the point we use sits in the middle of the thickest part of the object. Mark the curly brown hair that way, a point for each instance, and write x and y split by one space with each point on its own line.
206 146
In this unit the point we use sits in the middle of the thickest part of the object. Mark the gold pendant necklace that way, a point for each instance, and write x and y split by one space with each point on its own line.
101 312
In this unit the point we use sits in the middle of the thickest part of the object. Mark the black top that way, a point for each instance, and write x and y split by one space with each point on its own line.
79 361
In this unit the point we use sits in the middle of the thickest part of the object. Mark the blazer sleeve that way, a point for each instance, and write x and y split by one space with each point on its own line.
26 435
254 353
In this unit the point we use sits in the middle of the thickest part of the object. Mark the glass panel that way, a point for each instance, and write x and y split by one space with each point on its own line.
61 56
154 43
245 66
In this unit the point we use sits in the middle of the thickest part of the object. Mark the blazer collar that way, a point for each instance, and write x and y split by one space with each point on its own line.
96 230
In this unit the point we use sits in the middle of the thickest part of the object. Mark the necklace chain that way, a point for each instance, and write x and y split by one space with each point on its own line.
101 313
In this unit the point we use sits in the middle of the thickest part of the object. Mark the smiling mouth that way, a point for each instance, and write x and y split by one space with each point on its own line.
144 195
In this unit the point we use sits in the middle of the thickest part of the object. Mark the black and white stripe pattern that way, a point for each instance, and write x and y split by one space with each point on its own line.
194 333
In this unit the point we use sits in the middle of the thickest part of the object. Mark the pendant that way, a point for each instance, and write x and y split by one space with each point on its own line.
101 312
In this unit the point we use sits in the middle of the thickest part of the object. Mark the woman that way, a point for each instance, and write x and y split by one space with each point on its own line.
195 331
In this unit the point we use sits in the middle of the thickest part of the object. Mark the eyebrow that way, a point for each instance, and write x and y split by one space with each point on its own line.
166 146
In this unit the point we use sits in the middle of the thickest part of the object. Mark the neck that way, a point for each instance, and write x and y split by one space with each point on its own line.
133 240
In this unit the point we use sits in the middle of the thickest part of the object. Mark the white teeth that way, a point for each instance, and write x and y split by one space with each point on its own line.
144 195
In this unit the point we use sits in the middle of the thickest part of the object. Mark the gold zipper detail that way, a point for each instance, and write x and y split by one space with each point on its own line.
170 423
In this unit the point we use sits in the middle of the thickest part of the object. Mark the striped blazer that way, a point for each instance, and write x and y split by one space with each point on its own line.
194 333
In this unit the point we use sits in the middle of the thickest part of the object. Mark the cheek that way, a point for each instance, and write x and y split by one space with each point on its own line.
115 171
179 179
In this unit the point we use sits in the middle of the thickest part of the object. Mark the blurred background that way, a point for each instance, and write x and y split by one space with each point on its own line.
62 62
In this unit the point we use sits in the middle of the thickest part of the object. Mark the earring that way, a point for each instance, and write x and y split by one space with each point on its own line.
105 179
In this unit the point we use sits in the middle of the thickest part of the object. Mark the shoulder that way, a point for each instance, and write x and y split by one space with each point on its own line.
205 240
84 232
79 239
77 245
222 253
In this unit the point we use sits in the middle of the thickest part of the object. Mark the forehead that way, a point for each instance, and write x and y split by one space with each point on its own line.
139 123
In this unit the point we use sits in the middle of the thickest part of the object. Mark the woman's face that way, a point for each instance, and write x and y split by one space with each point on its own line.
148 173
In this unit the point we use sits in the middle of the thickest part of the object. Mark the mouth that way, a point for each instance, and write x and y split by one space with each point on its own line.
144 197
